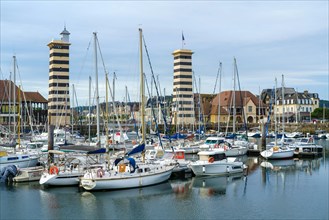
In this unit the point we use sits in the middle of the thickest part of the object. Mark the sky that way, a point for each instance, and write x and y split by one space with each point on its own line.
268 39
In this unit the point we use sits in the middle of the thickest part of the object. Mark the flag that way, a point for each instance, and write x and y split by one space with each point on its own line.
183 40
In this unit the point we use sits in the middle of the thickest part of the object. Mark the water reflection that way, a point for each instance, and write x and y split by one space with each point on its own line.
294 165
279 172
213 186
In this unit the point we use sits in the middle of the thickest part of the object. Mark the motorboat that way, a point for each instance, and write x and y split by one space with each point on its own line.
20 159
212 142
232 149
29 174
216 163
306 145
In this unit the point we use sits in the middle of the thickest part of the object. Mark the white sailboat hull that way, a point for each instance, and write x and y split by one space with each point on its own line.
125 180
61 179
270 154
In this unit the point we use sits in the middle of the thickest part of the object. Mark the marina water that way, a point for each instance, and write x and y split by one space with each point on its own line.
283 189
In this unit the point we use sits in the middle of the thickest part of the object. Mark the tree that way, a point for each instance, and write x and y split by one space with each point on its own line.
318 113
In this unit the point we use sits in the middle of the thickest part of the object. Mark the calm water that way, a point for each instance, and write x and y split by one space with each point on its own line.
289 190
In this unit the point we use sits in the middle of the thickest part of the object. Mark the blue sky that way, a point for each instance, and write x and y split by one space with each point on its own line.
268 39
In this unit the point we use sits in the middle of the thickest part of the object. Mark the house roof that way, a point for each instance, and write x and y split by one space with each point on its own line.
5 85
35 97
241 97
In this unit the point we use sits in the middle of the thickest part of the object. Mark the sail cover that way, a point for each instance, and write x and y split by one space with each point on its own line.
136 150
97 151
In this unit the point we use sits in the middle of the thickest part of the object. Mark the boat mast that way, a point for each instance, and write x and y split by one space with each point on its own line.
9 104
283 112
193 105
97 94
89 118
72 107
107 113
19 118
142 89
219 90
275 118
114 78
234 87
14 94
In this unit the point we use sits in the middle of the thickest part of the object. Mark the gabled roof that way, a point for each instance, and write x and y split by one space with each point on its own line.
5 85
35 97
241 98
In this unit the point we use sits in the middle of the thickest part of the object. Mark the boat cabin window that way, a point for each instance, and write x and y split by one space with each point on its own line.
219 156
12 158
139 170
210 142
179 155
147 169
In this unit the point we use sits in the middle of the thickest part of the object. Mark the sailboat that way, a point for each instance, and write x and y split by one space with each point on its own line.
235 146
21 158
127 172
278 151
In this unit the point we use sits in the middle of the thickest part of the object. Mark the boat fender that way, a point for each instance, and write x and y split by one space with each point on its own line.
100 172
211 160
53 170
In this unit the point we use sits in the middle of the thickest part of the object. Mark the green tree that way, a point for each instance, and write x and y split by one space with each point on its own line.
318 113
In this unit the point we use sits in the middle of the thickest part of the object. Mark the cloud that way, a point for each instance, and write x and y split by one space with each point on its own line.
268 38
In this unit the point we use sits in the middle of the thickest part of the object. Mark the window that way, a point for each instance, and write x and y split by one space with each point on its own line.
183 76
249 108
182 70
182 83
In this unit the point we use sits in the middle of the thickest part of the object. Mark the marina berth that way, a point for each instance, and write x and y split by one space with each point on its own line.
216 163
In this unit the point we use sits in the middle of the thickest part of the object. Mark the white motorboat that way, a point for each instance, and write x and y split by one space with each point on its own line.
212 142
216 163
306 145
233 150
29 174
20 159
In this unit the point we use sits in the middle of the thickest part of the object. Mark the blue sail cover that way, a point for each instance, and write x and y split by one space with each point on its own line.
117 160
176 136
140 148
132 162
200 130
98 151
